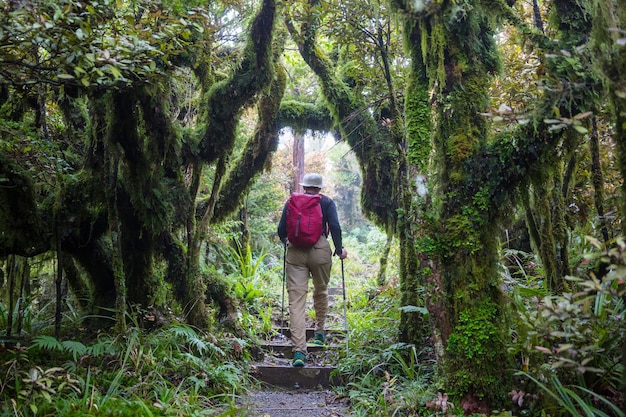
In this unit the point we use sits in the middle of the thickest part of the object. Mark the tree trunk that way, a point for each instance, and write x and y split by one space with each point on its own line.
384 258
611 19
597 178
18 270
463 285
298 160
24 297
413 328
59 279
76 283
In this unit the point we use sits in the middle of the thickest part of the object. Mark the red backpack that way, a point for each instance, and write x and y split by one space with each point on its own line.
304 219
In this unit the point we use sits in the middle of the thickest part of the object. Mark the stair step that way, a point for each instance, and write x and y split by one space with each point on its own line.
335 291
310 332
285 350
287 376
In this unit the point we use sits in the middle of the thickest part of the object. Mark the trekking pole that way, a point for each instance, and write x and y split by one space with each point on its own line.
345 312
282 303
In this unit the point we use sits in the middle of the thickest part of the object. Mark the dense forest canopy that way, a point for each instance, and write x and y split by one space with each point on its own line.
132 132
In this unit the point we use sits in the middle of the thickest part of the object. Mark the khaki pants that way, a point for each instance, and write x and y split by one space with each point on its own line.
301 263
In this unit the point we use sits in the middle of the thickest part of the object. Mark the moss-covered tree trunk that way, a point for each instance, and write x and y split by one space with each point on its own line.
18 271
453 50
551 184
475 355
454 54
255 77
597 179
609 27
419 130
609 24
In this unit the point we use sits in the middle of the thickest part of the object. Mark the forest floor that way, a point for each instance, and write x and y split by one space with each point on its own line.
274 401
292 403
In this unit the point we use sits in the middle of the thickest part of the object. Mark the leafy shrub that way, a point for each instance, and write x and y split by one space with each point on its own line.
569 345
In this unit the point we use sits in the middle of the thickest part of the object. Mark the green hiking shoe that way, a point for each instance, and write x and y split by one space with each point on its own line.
299 359
319 339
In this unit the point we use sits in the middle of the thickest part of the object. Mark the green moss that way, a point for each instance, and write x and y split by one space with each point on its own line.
461 146
473 352
461 234
418 116
301 116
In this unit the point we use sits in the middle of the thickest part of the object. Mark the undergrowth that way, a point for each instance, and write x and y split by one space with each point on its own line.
566 347
175 370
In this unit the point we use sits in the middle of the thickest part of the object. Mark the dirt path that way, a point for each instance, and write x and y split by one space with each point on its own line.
296 403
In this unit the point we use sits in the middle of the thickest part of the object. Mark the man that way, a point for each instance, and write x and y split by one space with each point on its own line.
315 262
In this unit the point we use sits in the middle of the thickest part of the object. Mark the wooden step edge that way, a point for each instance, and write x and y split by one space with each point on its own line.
285 331
286 351
288 376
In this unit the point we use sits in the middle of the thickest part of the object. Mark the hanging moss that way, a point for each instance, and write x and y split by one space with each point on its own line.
418 111
302 116
257 150
227 98
377 155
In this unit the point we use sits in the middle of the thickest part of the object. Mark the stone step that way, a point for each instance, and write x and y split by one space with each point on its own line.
335 291
290 377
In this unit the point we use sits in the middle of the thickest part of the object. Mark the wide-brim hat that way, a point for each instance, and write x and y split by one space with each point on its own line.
312 180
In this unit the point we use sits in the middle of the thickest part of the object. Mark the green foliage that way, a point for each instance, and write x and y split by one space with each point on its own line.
172 371
384 377
247 278
247 266
472 353
570 345
96 51
197 344
264 209
247 291
474 333
576 401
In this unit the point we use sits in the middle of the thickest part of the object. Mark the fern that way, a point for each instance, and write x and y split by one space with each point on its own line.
194 340
76 349
47 343
73 347
105 347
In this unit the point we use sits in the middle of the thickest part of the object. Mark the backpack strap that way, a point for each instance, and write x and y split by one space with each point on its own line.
325 202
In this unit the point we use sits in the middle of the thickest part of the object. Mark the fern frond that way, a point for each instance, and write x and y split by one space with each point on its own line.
102 347
47 343
77 349
183 331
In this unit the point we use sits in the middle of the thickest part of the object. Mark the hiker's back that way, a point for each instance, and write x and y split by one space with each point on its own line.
304 219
